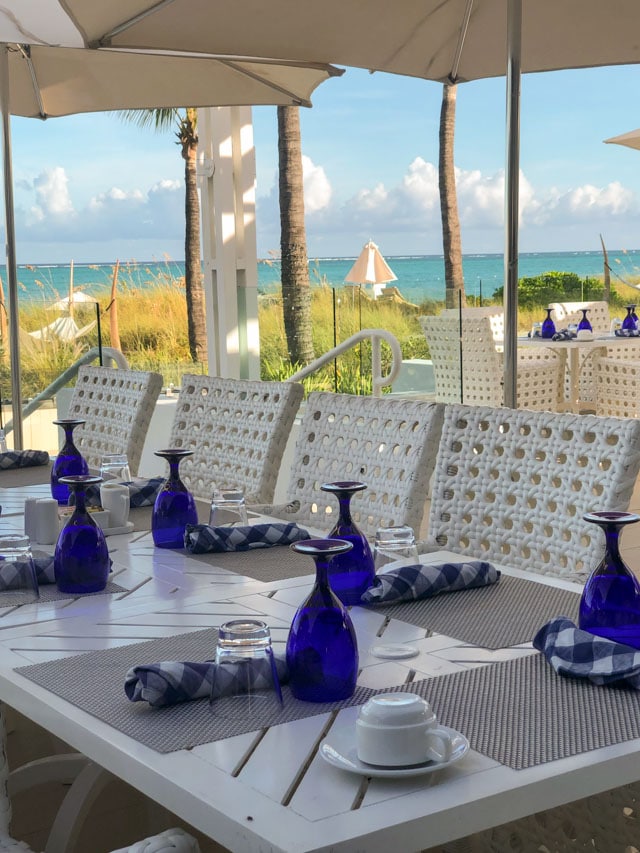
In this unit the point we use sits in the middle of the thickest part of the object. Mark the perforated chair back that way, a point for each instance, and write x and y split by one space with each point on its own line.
389 444
565 313
495 313
540 371
238 430
513 485
117 406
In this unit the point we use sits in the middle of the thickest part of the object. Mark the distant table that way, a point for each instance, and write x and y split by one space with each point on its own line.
577 351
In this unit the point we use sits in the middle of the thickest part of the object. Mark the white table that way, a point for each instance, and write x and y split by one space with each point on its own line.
272 791
575 352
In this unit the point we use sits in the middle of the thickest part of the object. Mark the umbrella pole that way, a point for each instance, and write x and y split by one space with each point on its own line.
12 272
512 180
335 343
99 334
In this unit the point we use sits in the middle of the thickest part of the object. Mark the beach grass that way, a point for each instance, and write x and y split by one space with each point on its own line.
153 333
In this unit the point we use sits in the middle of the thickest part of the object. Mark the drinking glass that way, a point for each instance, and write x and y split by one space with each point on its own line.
68 463
350 574
322 650
18 581
81 559
228 507
394 547
610 601
548 326
115 466
245 681
536 330
584 325
174 507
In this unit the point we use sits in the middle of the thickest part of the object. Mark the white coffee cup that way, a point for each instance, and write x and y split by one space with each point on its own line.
114 497
399 730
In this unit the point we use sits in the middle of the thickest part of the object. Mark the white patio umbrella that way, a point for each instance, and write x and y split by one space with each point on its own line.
630 139
47 69
371 268
444 40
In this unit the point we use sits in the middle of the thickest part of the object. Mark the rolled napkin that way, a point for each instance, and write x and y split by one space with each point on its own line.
580 654
564 335
627 333
23 458
142 491
43 563
170 682
201 539
424 580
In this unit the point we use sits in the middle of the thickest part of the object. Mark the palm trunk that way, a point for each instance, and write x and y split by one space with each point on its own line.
451 242
296 288
196 322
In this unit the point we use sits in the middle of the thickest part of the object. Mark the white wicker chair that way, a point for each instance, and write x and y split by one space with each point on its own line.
238 430
512 485
72 771
540 370
117 406
389 444
616 374
495 313
565 313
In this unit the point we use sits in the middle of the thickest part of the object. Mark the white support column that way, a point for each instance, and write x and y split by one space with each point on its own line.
227 174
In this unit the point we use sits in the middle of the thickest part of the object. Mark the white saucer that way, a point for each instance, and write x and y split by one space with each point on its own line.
339 749
114 531
394 651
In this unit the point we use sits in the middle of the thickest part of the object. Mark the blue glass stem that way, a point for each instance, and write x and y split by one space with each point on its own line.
68 463
352 573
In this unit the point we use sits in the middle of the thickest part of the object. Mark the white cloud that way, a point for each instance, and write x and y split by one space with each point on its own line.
317 189
52 195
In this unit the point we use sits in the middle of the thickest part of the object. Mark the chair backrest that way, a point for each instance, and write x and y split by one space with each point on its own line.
238 430
117 406
388 443
512 485
571 312
482 364
495 313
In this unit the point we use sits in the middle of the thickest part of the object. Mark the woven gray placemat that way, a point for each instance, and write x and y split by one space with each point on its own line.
94 682
521 713
498 616
517 712
50 592
262 564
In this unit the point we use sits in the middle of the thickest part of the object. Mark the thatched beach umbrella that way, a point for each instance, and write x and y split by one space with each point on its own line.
48 69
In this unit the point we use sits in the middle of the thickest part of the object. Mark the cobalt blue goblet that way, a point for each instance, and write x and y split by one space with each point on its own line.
174 507
322 651
81 559
610 602
548 329
68 463
584 325
350 574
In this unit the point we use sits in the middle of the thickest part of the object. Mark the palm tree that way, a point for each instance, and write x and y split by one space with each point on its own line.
451 242
187 135
296 288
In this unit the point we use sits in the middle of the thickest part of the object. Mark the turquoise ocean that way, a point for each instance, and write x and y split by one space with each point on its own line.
420 277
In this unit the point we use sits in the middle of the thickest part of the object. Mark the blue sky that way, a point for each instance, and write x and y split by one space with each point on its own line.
92 188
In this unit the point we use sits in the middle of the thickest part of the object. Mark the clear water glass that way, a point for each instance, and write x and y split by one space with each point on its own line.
536 330
18 581
245 681
228 507
115 466
394 547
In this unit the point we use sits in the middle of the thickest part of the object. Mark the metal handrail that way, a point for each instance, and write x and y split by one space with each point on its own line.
86 358
377 336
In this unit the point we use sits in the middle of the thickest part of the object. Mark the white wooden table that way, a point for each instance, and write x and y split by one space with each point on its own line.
271 790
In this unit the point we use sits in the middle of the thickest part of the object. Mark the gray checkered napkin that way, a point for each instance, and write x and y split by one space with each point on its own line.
580 654
409 583
170 682
200 538
23 458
